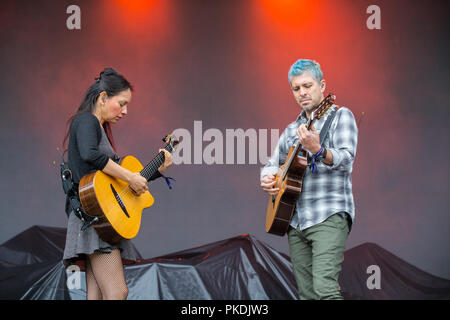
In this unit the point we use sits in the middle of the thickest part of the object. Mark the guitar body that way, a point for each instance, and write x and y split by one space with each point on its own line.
112 200
280 207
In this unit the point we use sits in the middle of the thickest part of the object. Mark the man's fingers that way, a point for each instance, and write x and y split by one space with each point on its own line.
303 130
271 188
265 180
268 184
268 177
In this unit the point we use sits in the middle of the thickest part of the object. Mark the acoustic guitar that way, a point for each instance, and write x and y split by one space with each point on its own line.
113 200
289 179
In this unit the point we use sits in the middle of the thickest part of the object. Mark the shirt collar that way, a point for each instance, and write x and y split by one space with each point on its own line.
302 116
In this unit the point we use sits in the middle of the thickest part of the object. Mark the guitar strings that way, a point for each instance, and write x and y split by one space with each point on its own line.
146 171
126 190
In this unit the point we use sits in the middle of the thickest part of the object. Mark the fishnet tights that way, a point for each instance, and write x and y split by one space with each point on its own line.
105 278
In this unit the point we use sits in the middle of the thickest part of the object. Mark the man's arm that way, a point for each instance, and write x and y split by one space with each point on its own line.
269 171
278 157
345 140
328 160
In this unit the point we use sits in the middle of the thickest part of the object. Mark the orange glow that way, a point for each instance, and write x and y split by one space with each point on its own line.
289 13
136 6
140 15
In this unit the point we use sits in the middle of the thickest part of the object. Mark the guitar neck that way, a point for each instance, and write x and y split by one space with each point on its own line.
298 147
309 123
151 168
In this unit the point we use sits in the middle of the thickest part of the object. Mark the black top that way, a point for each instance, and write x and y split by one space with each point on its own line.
84 155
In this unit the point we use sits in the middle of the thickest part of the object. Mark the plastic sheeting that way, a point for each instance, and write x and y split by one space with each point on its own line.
237 268
34 245
398 278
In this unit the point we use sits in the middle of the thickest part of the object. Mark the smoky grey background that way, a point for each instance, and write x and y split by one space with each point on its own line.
205 65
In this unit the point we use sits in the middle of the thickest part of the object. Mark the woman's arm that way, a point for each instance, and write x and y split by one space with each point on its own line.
117 171
87 134
137 182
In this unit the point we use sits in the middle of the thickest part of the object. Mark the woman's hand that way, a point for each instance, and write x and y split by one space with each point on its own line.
167 161
138 183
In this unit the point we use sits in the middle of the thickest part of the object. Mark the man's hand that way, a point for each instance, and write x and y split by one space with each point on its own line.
267 183
309 139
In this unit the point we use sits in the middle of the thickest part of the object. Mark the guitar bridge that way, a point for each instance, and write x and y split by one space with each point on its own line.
119 201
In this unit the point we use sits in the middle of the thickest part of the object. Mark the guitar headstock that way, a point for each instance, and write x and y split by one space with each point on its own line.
171 140
323 106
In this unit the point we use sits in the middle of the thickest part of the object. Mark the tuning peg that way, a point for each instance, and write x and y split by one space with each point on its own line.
168 138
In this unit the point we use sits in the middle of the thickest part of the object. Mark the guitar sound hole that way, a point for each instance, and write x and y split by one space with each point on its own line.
119 201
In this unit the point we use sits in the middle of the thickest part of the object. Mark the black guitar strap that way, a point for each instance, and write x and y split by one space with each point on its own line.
327 125
71 190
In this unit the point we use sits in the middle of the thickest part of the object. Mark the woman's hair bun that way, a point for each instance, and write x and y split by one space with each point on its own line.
106 72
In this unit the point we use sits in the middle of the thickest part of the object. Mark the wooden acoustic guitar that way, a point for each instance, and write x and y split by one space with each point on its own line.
114 202
289 179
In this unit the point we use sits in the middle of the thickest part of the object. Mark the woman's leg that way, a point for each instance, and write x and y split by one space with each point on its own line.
108 272
92 289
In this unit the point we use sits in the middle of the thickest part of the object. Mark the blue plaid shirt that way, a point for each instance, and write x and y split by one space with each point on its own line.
330 190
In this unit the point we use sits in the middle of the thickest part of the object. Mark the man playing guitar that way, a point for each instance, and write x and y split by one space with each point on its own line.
324 211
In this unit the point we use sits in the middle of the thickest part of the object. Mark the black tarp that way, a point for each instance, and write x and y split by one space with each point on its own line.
399 279
34 245
241 267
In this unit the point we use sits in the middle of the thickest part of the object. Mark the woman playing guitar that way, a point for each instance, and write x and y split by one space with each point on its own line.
91 148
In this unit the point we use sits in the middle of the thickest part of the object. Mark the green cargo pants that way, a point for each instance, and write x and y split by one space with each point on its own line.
317 255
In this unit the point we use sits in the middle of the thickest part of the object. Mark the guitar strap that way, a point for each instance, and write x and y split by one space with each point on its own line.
71 190
326 127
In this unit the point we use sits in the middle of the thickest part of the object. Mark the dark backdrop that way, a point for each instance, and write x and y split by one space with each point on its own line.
225 63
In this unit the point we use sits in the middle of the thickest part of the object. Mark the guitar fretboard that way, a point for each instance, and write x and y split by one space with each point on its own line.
151 168
323 106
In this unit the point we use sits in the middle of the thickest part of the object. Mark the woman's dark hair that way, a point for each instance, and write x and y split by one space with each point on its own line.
112 83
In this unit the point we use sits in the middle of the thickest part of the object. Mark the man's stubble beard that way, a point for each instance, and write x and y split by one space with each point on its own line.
310 109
